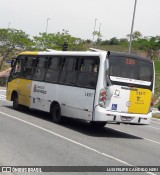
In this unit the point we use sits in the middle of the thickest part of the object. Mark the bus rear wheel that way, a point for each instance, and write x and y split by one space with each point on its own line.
98 124
16 104
56 113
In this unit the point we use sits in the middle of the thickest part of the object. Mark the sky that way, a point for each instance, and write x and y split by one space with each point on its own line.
114 17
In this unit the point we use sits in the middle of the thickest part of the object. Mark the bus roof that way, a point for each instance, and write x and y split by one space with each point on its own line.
91 52
78 53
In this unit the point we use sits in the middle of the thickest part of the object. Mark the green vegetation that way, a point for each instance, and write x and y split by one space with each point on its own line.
157 79
157 116
11 42
56 41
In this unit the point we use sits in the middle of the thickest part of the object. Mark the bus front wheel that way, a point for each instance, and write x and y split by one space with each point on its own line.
16 104
56 113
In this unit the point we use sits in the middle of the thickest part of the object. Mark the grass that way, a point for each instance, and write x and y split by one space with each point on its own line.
157 65
157 80
157 116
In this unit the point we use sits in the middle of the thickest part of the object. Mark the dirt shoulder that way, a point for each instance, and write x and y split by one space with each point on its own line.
5 73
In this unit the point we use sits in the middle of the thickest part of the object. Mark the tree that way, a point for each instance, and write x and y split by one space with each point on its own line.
105 42
149 44
56 41
136 35
114 41
99 36
88 41
12 41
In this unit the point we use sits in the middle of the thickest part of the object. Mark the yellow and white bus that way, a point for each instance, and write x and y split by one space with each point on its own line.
97 86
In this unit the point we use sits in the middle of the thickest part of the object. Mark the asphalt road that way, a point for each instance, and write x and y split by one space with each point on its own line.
29 138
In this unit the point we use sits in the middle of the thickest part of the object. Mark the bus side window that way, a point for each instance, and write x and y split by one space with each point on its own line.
53 69
71 70
29 66
88 74
17 69
40 68
63 70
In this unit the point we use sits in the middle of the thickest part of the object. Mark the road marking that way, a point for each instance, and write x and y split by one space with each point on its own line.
138 136
155 120
3 98
2 95
70 140
153 127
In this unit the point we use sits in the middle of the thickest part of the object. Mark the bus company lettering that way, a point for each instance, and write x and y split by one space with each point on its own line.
39 89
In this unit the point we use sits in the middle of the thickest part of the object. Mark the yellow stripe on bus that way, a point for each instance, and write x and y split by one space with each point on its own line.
28 53
140 101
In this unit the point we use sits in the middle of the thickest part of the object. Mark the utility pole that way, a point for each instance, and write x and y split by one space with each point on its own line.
47 24
99 33
94 29
9 25
130 42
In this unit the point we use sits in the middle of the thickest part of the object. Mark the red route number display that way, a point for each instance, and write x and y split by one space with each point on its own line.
130 61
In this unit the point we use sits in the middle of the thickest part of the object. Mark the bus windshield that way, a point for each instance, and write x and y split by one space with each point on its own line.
128 70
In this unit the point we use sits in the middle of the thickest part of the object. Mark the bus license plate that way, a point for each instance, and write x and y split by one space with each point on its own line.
126 118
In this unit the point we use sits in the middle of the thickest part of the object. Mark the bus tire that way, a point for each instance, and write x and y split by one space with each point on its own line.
98 124
16 104
56 113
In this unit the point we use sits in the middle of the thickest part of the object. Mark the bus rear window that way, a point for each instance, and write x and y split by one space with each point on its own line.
130 68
